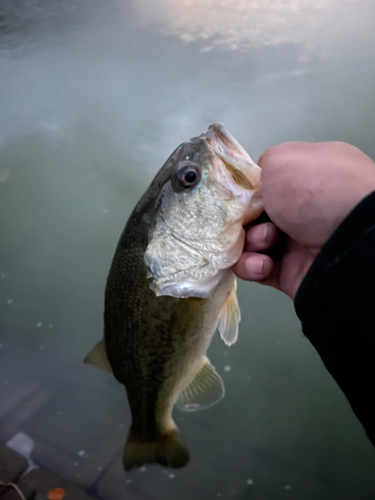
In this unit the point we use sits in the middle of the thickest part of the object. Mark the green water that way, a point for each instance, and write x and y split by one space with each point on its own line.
94 96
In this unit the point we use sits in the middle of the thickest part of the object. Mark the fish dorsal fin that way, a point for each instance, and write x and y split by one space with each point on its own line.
205 389
98 357
229 317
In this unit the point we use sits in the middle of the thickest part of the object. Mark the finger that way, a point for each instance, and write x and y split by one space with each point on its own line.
261 237
270 275
280 151
253 267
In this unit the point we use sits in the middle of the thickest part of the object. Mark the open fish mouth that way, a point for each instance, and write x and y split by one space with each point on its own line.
239 167
223 142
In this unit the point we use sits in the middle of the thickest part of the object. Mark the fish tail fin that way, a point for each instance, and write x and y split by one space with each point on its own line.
166 449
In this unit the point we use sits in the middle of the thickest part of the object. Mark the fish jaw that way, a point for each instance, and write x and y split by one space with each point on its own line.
234 169
187 288
219 135
204 270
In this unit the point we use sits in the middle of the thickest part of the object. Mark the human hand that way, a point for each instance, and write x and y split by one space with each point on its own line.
307 190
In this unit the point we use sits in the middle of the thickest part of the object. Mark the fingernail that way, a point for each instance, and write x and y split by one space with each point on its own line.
266 227
259 234
255 265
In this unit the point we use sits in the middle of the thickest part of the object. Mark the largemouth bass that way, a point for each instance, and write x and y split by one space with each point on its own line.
170 286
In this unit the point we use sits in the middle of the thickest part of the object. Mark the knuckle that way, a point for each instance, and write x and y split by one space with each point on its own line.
278 155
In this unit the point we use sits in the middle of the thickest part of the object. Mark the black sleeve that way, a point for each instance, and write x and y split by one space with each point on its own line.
336 304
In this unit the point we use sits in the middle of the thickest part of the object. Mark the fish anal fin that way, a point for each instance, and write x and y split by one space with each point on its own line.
166 449
98 357
205 389
229 317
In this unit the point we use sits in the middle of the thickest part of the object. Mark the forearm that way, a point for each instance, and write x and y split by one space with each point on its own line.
336 304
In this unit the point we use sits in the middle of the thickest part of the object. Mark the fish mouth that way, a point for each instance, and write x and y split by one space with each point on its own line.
242 169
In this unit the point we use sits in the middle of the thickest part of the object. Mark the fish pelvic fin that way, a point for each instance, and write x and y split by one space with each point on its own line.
98 357
166 449
229 317
205 389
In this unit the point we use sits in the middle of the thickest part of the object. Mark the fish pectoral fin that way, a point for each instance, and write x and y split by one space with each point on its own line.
229 317
205 389
98 357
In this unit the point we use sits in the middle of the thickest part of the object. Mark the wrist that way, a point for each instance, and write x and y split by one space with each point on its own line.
352 229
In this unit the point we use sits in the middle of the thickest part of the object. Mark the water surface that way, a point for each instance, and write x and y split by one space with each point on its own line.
94 96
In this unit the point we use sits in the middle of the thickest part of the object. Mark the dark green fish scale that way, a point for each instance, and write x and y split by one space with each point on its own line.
143 331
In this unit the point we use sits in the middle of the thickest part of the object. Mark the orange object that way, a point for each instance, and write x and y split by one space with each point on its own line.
56 494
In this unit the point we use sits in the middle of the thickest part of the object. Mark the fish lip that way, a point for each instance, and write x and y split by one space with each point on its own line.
218 132
224 146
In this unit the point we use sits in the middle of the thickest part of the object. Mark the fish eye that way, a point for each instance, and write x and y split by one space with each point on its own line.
188 175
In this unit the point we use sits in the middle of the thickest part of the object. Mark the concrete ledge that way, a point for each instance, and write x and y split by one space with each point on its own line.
43 480
34 485
12 465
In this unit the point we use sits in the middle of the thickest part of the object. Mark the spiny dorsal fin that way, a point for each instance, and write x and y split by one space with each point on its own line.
98 357
205 389
229 317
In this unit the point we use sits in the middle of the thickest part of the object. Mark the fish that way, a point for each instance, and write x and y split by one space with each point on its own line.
170 286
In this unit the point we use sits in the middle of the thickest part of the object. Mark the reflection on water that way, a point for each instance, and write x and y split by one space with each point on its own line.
90 109
243 23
